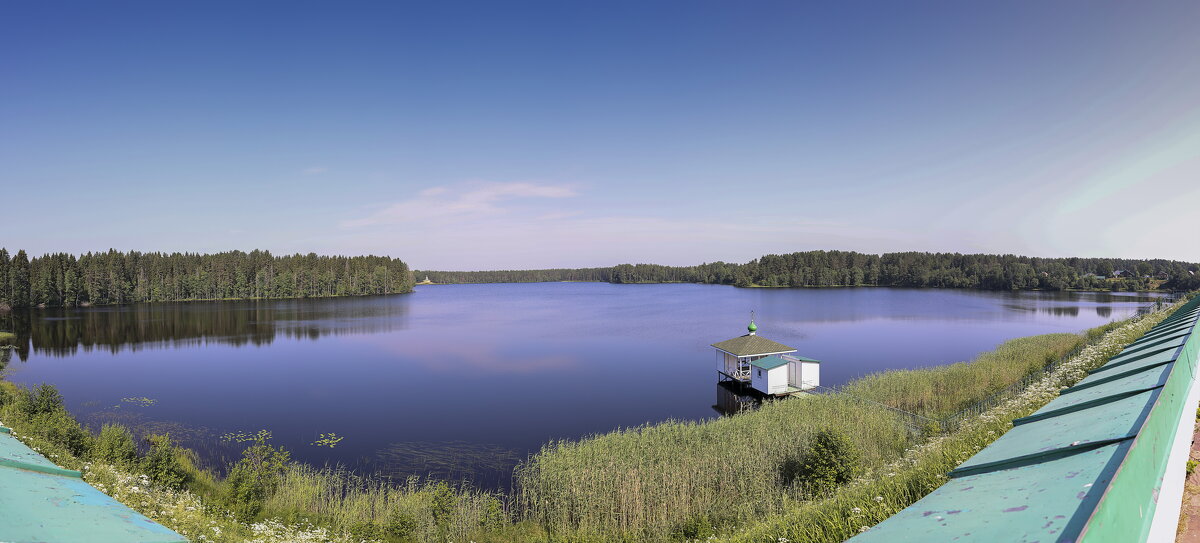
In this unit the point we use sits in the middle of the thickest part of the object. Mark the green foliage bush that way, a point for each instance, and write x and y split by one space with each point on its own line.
829 461
115 445
42 410
442 502
255 477
166 464
43 399
60 428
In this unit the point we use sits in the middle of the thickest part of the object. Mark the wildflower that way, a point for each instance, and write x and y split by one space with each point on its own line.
856 510
862 529
878 499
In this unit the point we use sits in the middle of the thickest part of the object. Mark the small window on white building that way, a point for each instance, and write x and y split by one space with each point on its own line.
760 373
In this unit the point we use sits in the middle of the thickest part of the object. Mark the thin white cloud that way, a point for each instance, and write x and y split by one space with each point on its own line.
461 202
525 225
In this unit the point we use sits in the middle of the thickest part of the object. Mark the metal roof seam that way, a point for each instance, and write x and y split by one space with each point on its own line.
1114 377
1036 458
1187 332
1082 405
51 470
1167 330
1114 363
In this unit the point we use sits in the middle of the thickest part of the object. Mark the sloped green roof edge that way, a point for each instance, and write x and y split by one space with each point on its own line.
769 363
40 502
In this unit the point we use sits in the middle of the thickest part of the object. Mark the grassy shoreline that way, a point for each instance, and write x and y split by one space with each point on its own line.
672 481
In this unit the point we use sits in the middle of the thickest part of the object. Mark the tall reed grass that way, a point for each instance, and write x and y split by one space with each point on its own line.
940 391
686 477
380 509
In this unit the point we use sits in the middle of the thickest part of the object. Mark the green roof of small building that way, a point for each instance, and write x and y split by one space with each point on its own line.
774 361
751 345
769 363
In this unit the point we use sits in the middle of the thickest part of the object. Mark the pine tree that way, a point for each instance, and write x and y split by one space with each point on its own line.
19 280
5 296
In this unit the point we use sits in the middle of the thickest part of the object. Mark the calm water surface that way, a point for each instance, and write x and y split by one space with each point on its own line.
464 380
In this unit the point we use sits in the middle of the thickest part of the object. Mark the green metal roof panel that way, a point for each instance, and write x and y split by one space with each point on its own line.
1183 317
1146 380
1160 343
1109 422
1148 358
55 507
769 363
1047 501
1164 332
1116 361
16 452
752 344
1125 370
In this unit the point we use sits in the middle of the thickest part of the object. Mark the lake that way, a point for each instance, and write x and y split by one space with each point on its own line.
462 381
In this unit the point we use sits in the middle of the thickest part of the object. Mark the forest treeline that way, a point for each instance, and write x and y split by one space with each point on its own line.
114 277
853 269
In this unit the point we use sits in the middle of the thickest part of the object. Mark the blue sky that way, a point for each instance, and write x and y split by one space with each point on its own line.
484 135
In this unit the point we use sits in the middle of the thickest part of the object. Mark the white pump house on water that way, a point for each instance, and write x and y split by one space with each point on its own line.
769 367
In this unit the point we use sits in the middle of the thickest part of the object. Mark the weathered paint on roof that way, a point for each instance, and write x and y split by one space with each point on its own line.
774 361
40 502
1088 466
769 363
751 345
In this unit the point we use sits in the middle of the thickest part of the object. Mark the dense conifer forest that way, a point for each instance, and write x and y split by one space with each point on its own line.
115 277
852 269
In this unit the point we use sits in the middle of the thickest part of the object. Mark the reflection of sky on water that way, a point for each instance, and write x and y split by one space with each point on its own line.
477 368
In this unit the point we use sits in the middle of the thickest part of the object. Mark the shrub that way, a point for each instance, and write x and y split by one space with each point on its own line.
442 502
829 461
165 463
493 515
43 399
255 477
60 428
115 446
400 525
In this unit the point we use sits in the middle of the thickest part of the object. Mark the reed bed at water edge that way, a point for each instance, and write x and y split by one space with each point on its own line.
378 508
645 483
939 391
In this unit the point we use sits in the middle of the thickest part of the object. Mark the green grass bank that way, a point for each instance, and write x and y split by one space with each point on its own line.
805 469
